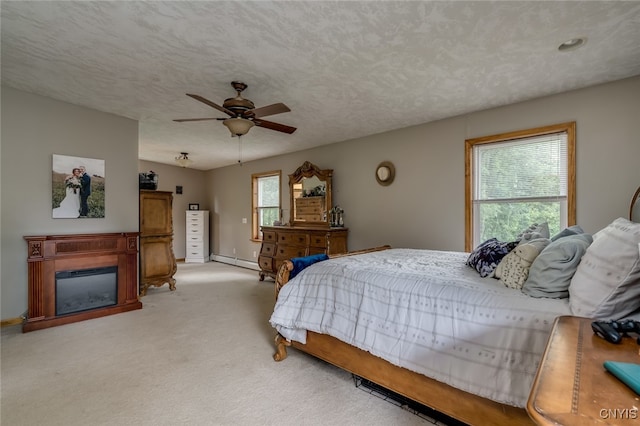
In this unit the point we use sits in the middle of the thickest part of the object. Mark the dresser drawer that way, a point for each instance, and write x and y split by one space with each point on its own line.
195 226
293 238
268 249
318 240
197 245
287 252
195 214
266 263
195 252
269 236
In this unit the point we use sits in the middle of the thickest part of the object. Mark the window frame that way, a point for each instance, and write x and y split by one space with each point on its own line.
255 177
569 128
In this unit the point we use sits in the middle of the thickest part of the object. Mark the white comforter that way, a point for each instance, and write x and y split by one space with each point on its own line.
428 312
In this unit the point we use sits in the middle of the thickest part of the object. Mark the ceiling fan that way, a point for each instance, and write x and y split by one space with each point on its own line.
243 114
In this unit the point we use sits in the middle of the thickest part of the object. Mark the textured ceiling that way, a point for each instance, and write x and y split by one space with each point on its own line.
346 69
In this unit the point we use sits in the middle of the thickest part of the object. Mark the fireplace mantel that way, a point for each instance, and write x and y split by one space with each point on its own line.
48 254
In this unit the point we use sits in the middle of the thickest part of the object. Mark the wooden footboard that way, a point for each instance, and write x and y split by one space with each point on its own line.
461 405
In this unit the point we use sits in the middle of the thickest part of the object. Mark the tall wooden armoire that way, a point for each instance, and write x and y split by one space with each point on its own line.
157 261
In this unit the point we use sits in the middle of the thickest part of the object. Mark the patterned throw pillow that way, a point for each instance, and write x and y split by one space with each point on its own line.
513 270
487 255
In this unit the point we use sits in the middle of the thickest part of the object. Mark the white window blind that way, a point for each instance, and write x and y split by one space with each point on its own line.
529 168
519 181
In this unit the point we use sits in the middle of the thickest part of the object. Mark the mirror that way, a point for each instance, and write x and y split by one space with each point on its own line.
634 210
310 190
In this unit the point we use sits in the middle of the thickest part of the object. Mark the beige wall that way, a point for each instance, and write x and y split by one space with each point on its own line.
33 129
193 191
424 207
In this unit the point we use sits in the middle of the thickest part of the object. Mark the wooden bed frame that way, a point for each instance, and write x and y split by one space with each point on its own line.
460 405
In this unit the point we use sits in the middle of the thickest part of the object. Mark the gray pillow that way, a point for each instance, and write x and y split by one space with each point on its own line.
607 282
551 272
533 232
572 230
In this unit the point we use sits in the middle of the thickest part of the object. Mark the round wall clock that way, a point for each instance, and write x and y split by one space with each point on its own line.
385 172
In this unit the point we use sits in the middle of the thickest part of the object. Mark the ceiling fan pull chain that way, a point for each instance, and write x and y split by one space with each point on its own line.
240 150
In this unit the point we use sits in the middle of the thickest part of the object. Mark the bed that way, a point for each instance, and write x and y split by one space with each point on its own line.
427 326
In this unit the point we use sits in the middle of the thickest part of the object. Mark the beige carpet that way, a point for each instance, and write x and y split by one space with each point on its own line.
200 355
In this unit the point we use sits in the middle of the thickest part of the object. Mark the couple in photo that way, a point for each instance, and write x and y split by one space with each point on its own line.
77 190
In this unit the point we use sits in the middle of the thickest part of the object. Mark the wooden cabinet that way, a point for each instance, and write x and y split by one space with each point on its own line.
157 261
310 209
197 231
280 243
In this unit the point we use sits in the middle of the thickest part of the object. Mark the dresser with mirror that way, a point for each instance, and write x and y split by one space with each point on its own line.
309 231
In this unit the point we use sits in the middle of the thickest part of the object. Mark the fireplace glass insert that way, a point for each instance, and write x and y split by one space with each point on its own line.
86 289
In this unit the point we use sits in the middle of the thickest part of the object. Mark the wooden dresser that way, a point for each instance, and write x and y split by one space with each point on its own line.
157 261
280 243
197 231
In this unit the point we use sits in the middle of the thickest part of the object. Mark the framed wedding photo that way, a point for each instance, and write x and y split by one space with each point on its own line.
194 206
77 187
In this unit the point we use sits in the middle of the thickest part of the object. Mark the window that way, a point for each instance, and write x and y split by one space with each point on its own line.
265 205
519 178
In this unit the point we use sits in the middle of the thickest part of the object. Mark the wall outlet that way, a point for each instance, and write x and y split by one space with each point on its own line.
254 253
244 220
234 250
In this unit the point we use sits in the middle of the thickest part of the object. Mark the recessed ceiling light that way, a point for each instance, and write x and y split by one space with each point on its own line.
574 43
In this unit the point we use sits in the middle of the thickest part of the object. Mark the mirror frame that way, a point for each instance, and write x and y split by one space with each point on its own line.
635 205
308 170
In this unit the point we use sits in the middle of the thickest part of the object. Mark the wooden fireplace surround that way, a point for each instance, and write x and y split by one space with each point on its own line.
49 254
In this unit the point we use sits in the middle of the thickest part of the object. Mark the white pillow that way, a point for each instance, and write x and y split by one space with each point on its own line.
606 284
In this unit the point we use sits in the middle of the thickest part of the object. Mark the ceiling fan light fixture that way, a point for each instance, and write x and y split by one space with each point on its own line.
238 126
183 159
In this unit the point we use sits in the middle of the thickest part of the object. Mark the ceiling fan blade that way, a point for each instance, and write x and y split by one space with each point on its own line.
273 109
274 126
181 120
211 104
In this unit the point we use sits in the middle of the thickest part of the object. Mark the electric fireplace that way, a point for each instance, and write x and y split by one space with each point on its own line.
78 277
86 289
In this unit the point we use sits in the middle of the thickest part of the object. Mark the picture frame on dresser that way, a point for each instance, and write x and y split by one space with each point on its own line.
194 206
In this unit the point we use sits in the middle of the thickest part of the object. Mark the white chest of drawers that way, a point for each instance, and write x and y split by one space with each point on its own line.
197 236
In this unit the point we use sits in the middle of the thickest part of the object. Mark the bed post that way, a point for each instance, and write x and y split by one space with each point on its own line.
282 277
281 348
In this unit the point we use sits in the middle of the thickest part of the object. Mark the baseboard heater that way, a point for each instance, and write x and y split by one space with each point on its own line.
235 261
